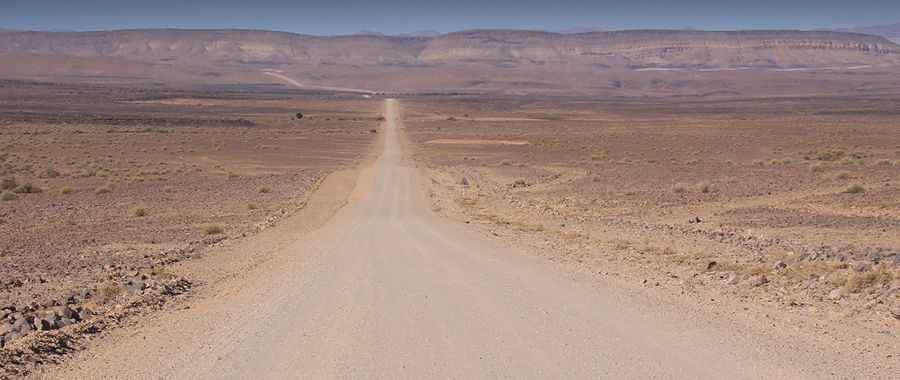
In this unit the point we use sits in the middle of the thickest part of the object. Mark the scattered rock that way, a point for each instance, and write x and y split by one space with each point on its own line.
464 181
758 280
135 286
5 328
861 267
46 323
836 294
695 220
780 265
710 265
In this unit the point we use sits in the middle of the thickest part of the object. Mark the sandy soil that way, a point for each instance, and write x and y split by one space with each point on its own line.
790 203
715 238
388 289
108 189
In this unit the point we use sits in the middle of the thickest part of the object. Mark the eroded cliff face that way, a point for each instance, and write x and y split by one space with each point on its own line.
666 48
214 46
635 49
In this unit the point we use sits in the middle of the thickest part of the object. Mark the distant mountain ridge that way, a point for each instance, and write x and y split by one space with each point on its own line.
889 31
634 62
633 48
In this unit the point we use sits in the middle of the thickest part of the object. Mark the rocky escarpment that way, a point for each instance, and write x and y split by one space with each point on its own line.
636 48
666 48
214 46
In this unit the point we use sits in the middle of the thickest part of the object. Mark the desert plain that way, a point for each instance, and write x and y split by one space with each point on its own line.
394 206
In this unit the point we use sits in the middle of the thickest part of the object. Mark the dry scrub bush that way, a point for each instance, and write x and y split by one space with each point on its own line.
843 175
109 291
780 161
705 187
8 196
213 229
26 188
855 189
856 282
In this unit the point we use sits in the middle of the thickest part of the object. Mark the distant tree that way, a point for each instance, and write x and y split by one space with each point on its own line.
299 115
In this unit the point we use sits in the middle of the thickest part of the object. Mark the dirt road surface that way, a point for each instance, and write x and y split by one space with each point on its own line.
386 289
295 83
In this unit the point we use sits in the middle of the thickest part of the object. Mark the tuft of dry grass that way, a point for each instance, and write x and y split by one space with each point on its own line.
8 196
817 167
467 202
705 187
265 190
780 161
139 211
213 229
884 163
109 291
850 161
855 189
680 188
26 188
66 190
857 282
105 189
843 175
252 207
603 156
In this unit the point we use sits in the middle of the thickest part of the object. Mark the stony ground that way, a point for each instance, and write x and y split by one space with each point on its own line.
104 188
789 202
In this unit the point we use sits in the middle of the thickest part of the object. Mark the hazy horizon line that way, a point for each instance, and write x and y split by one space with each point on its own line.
425 33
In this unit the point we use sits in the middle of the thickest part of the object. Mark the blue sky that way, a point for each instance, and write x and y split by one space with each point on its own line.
399 16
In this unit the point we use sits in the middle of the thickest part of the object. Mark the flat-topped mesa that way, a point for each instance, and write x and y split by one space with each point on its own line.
665 47
632 48
198 47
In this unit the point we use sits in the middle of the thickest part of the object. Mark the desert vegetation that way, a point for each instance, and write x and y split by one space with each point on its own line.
115 190
769 202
